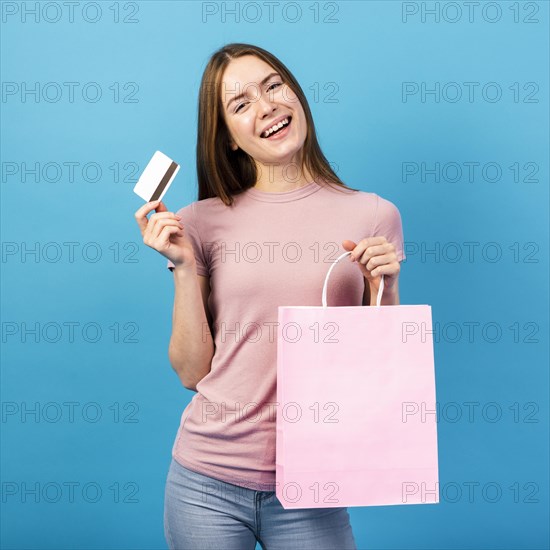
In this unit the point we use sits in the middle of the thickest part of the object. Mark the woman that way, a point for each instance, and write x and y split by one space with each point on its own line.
270 218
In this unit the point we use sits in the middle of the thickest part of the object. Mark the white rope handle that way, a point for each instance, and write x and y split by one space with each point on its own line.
380 290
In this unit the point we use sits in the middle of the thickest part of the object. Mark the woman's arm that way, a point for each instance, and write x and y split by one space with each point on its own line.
191 345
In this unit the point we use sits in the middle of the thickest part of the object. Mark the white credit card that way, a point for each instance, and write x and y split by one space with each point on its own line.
156 178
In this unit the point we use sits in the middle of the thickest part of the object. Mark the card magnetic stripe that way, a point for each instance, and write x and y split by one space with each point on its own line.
164 181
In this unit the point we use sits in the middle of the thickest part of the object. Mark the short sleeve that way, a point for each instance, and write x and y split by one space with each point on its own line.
188 219
388 224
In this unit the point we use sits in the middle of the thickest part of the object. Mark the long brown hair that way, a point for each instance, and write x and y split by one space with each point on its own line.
222 172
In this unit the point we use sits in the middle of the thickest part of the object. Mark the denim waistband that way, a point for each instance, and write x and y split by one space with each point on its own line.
264 489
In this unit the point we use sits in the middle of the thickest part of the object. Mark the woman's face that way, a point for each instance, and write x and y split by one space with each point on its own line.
266 100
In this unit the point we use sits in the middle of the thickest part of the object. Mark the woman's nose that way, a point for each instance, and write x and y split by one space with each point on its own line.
265 105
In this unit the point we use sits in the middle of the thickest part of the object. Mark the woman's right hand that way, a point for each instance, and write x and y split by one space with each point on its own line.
164 232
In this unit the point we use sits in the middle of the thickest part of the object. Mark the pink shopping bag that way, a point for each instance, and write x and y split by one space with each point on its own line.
356 399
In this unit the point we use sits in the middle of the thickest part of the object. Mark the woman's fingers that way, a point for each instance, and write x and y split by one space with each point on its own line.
163 231
372 252
377 261
368 242
161 207
155 227
141 214
147 226
155 219
163 239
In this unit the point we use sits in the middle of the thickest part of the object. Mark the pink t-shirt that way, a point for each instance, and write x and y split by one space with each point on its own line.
265 251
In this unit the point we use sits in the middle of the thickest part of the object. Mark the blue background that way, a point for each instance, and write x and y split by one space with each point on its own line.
351 62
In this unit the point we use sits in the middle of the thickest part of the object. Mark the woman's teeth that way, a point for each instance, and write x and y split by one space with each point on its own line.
276 127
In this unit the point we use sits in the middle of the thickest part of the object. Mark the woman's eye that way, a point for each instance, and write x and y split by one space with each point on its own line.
275 84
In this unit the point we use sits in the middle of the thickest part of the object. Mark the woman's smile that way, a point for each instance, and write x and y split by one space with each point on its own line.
279 127
280 134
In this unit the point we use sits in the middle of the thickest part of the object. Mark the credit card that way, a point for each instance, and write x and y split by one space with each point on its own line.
157 177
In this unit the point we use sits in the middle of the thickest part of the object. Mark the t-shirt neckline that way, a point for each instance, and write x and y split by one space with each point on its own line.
283 196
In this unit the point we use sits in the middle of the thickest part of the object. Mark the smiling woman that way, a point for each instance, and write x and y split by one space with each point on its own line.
270 218
246 91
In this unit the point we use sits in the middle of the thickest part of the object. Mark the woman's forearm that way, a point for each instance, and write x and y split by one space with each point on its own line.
191 345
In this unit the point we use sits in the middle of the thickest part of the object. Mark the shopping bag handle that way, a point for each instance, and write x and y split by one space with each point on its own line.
380 290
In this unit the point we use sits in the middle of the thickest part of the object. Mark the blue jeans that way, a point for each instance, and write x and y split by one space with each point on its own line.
203 513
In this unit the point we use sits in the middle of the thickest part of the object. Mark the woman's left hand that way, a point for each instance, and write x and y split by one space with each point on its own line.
375 256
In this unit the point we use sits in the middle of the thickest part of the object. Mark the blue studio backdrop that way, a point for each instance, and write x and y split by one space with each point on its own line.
439 107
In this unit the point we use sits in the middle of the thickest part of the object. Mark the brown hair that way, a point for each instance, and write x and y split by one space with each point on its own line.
222 172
